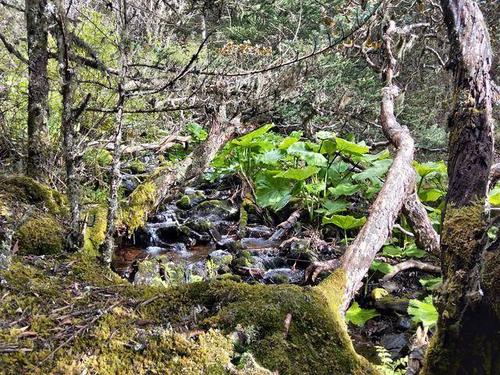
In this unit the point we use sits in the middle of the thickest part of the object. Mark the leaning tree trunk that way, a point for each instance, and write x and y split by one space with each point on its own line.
38 88
467 339
398 185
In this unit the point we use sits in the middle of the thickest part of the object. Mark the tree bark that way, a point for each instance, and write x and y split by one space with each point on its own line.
38 89
467 339
399 183
74 238
108 245
426 236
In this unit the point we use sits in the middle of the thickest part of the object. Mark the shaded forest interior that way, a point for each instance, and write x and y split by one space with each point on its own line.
249 187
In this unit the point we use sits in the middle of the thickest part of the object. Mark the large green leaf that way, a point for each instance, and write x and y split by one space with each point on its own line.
298 174
270 157
247 139
423 169
397 252
381 267
423 311
377 170
358 316
431 283
287 142
351 148
328 147
494 196
344 222
299 150
345 188
272 192
430 195
332 207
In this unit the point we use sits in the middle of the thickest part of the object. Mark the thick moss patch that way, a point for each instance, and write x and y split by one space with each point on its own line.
40 235
35 213
198 328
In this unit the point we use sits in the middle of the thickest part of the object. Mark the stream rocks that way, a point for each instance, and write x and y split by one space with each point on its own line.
197 238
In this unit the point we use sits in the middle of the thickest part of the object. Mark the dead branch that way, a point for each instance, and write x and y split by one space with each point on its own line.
426 236
494 174
411 264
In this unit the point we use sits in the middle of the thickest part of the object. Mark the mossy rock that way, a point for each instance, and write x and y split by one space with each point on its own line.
184 202
137 167
29 191
40 235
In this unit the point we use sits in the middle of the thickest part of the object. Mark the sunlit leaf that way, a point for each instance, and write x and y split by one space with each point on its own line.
299 150
358 316
247 139
423 311
344 189
272 192
430 195
381 267
351 147
344 222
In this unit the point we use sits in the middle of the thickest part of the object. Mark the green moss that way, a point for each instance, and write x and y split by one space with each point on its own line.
40 235
184 203
95 231
29 191
137 166
140 202
243 222
182 330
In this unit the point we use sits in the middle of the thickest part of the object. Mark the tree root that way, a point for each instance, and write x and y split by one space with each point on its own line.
411 264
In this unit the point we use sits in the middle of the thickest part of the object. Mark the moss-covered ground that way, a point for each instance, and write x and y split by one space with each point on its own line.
66 314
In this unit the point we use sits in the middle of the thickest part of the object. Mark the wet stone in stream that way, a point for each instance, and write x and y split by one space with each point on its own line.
197 237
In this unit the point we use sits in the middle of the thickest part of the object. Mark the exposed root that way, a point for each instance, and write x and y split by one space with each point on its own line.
411 264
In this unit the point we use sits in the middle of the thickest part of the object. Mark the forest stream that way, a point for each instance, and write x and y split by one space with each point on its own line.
203 235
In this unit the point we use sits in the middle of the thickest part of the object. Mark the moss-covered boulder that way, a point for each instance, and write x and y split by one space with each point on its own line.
35 213
40 235
189 329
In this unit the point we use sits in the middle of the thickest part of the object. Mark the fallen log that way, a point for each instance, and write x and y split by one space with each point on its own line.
426 236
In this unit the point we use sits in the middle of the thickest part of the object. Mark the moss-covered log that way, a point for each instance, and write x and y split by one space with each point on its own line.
165 182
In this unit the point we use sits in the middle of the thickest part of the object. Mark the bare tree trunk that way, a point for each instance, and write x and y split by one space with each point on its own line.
468 339
116 178
399 183
74 238
38 88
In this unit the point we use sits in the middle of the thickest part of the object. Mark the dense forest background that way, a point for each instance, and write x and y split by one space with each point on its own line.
171 171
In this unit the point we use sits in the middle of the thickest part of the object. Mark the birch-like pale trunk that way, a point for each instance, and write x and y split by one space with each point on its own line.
108 245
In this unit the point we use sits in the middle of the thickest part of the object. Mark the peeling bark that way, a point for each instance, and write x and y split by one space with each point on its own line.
399 183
